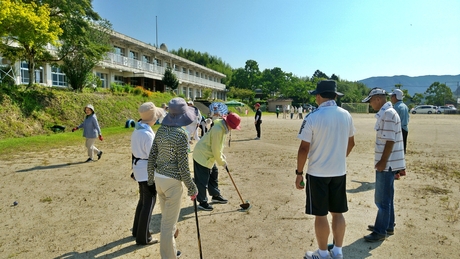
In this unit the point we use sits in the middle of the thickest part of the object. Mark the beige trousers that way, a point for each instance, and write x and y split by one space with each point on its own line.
90 147
169 194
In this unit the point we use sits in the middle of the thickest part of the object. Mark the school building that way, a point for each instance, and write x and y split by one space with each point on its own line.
131 62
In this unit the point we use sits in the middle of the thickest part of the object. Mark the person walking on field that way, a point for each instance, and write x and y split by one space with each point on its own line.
141 143
388 160
292 111
168 168
258 119
91 131
300 111
396 98
327 138
209 151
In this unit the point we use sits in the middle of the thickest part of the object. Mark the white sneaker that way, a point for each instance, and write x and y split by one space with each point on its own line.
316 255
257 138
338 256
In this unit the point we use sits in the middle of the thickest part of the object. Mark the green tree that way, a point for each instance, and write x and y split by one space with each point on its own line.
170 79
247 77
319 74
417 98
83 51
241 94
438 94
26 28
272 80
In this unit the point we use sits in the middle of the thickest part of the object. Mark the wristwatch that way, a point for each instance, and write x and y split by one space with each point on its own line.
298 173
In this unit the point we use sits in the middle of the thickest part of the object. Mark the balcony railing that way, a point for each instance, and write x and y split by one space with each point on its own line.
140 66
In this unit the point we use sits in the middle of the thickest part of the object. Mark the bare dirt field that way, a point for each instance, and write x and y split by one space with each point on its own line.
70 209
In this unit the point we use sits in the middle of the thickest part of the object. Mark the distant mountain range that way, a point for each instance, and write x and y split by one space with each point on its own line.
416 84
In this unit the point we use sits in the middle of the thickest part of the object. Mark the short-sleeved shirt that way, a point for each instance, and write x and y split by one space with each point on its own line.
328 130
388 128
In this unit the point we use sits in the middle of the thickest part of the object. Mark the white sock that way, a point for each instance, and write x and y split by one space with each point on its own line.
337 250
323 253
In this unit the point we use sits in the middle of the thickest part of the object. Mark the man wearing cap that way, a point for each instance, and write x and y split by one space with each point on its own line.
396 98
327 137
141 143
257 119
388 159
168 168
207 152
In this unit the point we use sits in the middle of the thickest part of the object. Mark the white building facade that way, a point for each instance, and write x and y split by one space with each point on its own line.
132 62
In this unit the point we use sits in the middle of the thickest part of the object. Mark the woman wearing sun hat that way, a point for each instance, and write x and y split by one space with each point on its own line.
91 131
168 167
141 143
207 152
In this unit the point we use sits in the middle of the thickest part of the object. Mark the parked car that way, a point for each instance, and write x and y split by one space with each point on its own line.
446 109
427 109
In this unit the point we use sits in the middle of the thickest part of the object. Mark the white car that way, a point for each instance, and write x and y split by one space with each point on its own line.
424 109
446 109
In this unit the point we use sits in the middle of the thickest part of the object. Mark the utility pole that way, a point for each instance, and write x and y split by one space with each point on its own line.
156 30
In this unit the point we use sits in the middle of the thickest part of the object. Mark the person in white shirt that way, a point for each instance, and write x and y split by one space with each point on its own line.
141 142
327 137
388 160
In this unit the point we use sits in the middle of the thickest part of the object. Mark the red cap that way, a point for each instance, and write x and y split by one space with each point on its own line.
233 120
257 104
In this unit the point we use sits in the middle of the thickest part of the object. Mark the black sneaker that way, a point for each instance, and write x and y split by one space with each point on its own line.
374 237
99 154
219 199
390 231
205 206
89 160
178 254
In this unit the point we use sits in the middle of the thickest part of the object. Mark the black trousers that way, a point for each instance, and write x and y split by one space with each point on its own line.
206 178
404 133
258 129
147 199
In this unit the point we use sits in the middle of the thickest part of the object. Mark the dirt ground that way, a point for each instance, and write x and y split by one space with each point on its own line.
70 209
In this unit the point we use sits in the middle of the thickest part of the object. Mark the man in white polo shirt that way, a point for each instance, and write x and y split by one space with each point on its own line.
389 159
327 136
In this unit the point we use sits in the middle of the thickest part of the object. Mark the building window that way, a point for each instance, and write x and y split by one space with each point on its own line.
119 80
59 78
158 62
118 50
102 76
133 55
167 65
184 70
25 76
146 59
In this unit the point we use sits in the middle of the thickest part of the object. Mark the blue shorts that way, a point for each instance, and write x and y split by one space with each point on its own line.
326 194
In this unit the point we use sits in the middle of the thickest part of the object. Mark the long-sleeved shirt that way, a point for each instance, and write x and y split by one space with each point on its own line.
169 157
90 127
403 113
209 149
141 144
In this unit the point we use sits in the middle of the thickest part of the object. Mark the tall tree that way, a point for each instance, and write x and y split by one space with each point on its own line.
30 25
26 28
170 79
247 77
82 52
439 94
272 80
319 74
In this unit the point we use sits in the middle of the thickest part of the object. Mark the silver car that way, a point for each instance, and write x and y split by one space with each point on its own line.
424 109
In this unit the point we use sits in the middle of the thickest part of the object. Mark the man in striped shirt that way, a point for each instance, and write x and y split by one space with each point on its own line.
389 160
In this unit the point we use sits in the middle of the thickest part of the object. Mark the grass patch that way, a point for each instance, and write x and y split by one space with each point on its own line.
53 141
46 199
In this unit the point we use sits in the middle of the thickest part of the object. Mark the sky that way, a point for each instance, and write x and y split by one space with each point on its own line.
353 39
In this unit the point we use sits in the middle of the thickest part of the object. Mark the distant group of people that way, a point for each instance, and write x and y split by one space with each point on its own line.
160 162
327 138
